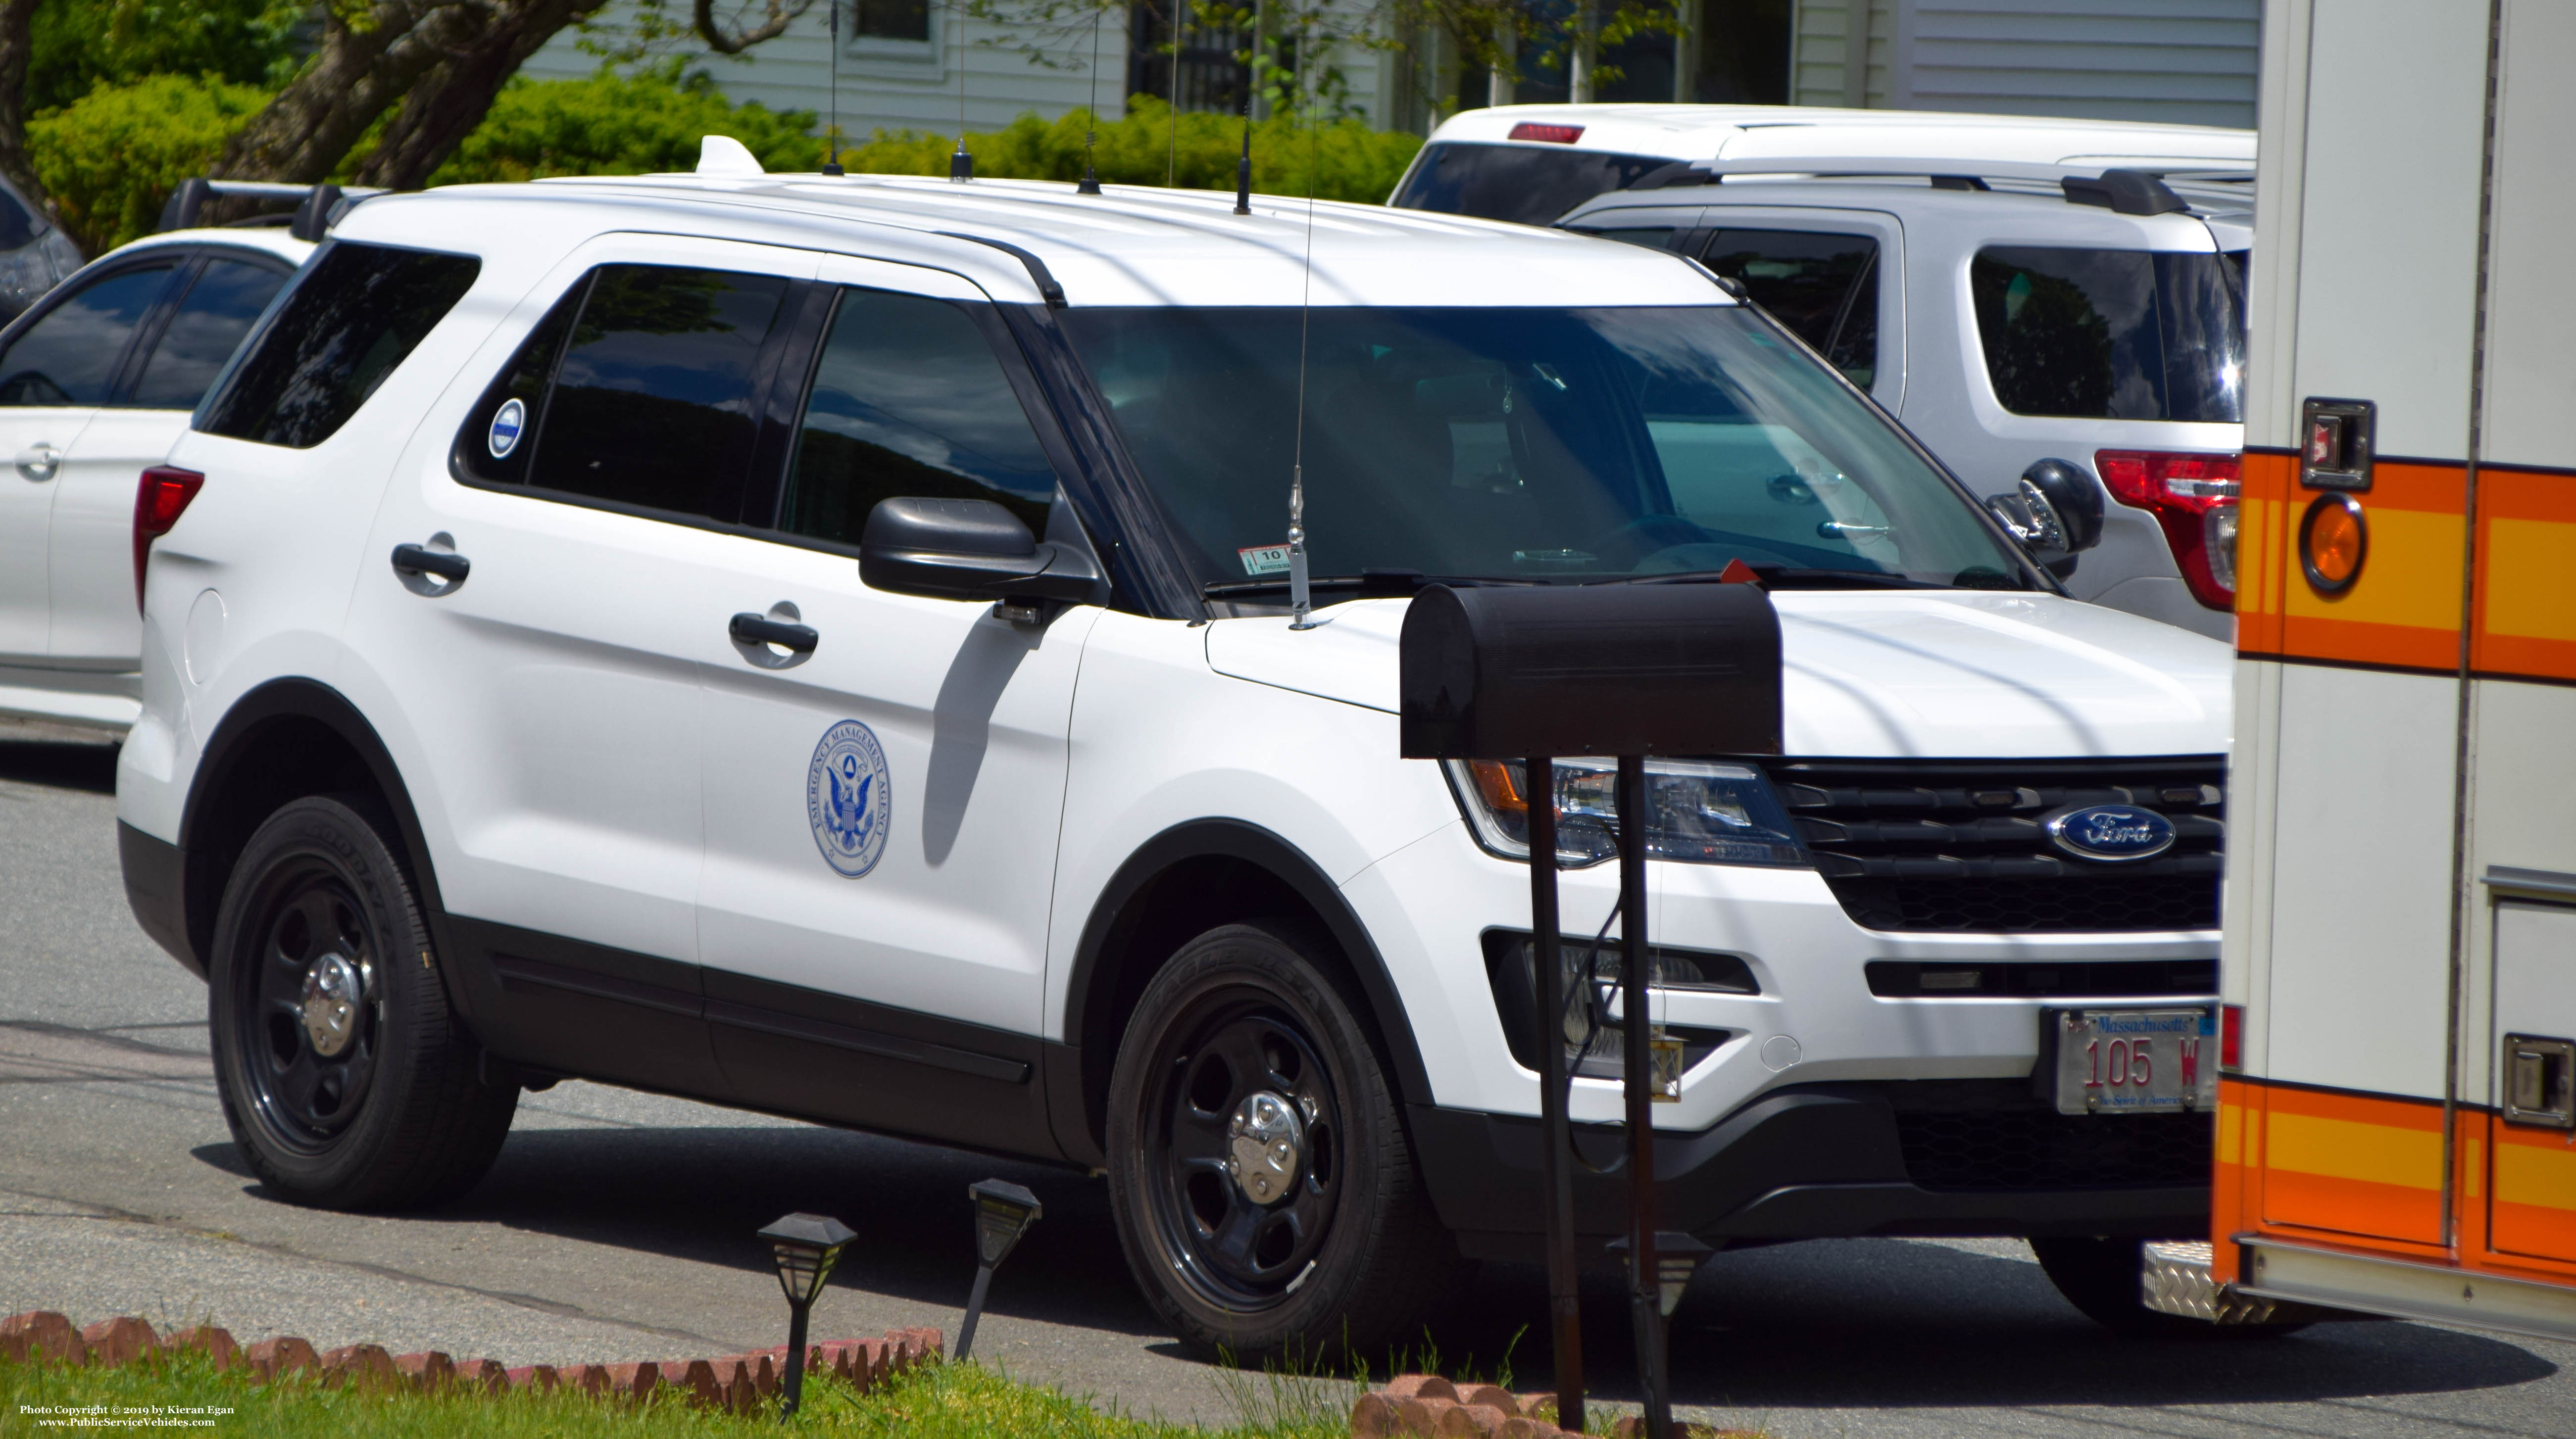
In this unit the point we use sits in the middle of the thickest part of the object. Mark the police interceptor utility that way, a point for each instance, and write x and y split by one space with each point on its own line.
822 645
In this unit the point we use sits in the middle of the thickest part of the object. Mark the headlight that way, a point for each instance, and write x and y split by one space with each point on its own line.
1699 811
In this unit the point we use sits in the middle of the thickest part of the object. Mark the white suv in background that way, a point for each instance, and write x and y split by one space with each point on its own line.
96 382
1533 163
822 644
2011 315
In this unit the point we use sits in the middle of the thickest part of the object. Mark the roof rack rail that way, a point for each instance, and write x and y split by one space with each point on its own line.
317 209
2124 190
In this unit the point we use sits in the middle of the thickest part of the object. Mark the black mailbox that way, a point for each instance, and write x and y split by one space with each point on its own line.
1617 669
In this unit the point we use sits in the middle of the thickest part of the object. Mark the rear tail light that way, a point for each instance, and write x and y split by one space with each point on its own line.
2193 496
158 502
1552 134
2231 1037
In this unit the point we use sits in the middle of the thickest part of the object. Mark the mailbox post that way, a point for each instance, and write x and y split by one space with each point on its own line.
1534 673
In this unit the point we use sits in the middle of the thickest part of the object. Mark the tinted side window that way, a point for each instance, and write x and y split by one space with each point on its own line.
909 400
356 313
653 401
500 433
203 332
70 356
1532 184
2111 334
1653 237
1825 287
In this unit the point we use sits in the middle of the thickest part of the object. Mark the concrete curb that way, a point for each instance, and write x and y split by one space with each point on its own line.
739 1382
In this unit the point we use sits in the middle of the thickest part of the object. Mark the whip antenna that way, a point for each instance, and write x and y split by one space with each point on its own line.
961 166
1243 167
832 136
1172 156
1091 117
1301 598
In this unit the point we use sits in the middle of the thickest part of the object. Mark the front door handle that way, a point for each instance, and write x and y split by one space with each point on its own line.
39 461
412 561
752 629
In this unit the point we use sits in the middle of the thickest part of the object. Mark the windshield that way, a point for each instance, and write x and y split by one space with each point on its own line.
1524 445
1532 184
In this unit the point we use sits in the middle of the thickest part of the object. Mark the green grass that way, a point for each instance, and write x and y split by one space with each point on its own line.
941 1401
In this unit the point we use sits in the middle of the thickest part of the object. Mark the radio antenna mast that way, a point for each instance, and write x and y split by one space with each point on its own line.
832 141
1243 167
1172 155
961 166
1091 117
1301 598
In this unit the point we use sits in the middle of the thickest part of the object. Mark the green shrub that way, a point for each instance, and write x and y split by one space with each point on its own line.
621 125
1350 161
111 157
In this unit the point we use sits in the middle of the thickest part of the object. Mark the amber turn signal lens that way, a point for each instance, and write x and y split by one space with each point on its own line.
1499 786
2332 542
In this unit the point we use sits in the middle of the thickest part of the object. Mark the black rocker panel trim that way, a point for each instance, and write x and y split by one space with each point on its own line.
1112 916
830 1057
566 1007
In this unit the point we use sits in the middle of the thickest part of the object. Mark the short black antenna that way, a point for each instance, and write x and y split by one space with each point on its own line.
1243 167
1301 597
1091 117
832 136
961 166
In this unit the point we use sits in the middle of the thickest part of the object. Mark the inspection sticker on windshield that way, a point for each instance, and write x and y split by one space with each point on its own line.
1264 559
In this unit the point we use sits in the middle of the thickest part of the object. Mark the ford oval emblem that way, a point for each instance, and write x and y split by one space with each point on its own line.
2110 832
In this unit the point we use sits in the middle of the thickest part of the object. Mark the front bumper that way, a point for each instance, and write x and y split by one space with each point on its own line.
1833 1160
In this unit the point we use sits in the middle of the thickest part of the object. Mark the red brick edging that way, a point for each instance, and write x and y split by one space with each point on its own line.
1426 1406
739 1382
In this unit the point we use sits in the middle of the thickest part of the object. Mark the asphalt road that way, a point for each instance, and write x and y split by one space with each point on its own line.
619 1226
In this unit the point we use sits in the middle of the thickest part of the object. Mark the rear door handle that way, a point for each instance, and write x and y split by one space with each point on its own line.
39 461
752 629
412 560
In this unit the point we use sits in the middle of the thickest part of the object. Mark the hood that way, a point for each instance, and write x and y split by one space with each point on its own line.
1872 673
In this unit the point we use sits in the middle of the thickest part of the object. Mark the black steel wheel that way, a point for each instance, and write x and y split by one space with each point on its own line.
1264 1191
345 1078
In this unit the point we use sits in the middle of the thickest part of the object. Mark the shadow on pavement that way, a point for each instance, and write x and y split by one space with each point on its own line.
89 767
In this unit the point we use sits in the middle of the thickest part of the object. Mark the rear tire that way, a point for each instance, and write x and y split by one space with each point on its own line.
346 1078
1296 1255
2100 1277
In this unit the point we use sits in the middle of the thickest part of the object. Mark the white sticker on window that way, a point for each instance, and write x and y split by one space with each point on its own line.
1264 559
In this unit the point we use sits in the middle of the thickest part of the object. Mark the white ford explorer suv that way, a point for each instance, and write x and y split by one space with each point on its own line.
822 645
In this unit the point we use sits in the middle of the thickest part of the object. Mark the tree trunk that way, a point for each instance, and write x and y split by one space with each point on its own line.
355 75
445 105
17 23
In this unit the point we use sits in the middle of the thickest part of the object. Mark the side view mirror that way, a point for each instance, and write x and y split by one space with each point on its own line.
2055 511
969 550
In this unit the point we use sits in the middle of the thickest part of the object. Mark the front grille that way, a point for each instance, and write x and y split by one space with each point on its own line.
2022 1144
1955 846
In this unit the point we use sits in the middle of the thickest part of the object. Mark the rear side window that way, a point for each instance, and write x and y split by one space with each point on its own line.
1532 184
69 357
2112 334
1653 237
908 399
225 300
1823 286
356 314
653 402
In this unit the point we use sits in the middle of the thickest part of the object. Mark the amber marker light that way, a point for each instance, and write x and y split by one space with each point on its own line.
2333 541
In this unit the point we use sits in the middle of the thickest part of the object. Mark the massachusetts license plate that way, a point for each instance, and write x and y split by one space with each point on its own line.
2134 1061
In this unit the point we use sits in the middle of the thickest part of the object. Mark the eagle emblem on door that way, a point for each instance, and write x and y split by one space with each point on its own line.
849 798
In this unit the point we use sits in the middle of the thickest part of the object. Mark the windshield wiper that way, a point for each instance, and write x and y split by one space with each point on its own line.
1366 582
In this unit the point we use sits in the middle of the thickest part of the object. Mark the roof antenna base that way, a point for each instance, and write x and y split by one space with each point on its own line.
961 166
1243 167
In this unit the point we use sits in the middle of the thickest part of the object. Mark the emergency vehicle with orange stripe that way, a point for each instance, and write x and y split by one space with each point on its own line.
2397 1102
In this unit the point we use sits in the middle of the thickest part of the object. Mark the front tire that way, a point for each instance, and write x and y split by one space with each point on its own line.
1263 1187
346 1079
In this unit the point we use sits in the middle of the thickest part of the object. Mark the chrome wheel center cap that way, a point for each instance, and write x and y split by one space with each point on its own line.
330 1004
1267 1141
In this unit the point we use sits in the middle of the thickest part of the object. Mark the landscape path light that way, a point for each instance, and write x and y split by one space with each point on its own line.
805 1247
1003 1212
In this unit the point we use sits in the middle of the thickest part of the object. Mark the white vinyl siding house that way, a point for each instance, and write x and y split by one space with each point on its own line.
2189 62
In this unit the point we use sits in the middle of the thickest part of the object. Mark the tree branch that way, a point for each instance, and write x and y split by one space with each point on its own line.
734 42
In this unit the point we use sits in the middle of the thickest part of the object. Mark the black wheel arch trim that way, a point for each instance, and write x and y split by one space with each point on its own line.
311 700
1072 1106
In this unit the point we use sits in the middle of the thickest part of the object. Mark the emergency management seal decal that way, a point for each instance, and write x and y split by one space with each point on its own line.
848 798
507 422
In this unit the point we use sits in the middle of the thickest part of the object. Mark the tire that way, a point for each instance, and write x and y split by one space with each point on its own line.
1336 1251
347 1080
2100 1277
